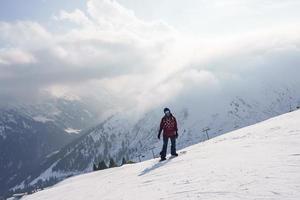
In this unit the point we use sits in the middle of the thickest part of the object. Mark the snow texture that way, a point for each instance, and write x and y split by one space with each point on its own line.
72 131
257 162
42 119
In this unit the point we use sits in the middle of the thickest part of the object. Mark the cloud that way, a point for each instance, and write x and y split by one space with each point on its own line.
77 16
127 62
106 41
15 56
24 34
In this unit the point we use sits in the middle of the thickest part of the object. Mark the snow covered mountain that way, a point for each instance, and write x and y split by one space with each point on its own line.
121 137
31 133
256 162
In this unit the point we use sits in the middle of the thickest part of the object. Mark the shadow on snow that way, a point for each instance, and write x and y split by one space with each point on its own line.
153 167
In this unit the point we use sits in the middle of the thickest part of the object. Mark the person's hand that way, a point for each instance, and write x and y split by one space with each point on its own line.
176 135
158 136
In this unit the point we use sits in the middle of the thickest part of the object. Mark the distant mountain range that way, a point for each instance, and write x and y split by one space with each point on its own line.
29 134
121 137
256 162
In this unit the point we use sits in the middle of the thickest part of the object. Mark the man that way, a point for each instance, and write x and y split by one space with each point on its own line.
168 125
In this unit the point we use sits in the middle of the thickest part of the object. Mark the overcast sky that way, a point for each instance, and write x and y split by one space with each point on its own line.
145 53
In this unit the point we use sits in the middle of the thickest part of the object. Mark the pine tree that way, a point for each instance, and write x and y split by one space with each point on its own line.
95 168
102 165
124 161
112 163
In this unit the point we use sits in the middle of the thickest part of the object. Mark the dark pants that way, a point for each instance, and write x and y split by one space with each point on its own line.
163 152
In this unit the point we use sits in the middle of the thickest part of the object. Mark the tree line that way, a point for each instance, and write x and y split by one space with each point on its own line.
102 165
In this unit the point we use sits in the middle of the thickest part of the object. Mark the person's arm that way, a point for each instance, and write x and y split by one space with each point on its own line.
160 128
176 128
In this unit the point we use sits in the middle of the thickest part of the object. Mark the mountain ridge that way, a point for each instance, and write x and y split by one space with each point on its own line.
261 162
119 138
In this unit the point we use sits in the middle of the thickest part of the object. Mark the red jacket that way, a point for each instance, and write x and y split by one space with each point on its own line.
169 126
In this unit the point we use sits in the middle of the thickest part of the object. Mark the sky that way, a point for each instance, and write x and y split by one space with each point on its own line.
144 54
37 10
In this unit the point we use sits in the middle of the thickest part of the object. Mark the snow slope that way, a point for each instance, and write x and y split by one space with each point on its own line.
257 162
133 134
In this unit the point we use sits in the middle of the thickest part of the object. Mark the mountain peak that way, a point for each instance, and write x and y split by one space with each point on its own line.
259 161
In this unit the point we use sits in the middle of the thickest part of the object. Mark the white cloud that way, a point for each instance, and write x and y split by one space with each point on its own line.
77 16
15 56
24 34
107 12
129 62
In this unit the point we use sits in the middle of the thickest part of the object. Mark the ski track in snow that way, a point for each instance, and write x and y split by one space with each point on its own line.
257 162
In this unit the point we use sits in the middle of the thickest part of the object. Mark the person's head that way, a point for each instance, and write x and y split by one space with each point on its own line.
167 111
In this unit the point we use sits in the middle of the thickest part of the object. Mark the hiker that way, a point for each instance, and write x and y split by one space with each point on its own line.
168 125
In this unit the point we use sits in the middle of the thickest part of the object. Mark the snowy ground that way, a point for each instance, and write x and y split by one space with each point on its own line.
258 162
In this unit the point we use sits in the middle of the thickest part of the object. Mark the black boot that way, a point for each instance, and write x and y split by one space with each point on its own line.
162 159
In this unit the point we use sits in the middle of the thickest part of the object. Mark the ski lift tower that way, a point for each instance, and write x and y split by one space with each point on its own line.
206 132
152 150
